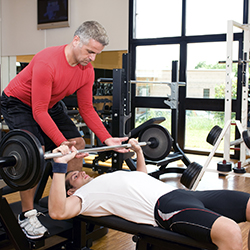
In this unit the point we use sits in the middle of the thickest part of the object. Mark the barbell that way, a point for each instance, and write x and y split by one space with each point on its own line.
22 159
98 149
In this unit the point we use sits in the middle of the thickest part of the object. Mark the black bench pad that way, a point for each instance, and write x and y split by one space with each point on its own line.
142 230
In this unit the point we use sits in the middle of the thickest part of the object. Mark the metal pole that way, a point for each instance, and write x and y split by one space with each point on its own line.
97 149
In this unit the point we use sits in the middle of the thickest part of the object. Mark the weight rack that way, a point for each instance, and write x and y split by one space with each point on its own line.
241 125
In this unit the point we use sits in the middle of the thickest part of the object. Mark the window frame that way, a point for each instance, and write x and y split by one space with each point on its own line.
206 104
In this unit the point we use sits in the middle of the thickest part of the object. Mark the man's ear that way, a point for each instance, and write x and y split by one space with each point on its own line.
71 191
76 41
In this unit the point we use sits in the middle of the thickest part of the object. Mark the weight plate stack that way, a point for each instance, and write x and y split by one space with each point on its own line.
190 174
213 135
246 138
161 142
27 150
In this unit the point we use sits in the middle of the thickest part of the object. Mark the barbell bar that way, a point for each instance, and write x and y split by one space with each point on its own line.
99 80
22 158
245 138
96 149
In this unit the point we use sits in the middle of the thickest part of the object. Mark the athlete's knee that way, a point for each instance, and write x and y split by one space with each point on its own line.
80 143
226 234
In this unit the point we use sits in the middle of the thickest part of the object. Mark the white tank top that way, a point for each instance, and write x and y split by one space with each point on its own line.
130 195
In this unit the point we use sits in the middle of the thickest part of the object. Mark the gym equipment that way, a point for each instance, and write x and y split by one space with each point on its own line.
123 89
210 156
21 161
64 229
153 143
224 166
213 135
215 132
145 236
87 228
245 138
239 169
241 124
158 135
190 174
22 158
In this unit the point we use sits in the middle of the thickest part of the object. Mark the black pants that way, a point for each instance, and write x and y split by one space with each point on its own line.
18 115
192 213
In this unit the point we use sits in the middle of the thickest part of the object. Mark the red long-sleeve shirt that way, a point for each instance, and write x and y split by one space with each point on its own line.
48 79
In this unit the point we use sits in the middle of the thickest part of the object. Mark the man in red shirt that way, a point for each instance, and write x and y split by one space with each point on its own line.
32 101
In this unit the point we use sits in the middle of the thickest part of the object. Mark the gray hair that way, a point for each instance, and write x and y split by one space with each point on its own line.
92 30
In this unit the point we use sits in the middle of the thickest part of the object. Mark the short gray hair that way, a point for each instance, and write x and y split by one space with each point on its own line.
92 30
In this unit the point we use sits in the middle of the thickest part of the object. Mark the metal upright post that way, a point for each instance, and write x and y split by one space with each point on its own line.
245 77
241 125
117 115
228 88
174 111
121 112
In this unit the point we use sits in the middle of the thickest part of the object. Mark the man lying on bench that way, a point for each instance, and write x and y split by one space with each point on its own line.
207 216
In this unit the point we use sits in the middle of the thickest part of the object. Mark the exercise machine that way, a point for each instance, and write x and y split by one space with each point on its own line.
217 133
16 147
121 126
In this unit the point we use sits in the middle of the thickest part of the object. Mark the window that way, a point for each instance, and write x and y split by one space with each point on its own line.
199 124
210 17
194 34
144 114
205 71
154 64
206 93
158 18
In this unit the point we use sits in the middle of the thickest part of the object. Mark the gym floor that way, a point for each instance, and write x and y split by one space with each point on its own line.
117 240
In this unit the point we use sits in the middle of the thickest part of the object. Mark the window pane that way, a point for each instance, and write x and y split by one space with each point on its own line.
159 18
210 17
205 71
154 63
198 126
144 114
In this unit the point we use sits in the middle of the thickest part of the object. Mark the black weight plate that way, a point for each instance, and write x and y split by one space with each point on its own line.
214 134
246 138
34 165
187 175
163 140
20 171
190 174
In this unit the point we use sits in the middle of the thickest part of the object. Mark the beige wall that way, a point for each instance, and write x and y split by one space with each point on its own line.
21 37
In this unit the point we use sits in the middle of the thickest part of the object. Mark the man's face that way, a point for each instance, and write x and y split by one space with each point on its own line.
78 179
86 53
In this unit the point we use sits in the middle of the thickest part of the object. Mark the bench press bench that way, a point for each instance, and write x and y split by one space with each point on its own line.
86 229
146 237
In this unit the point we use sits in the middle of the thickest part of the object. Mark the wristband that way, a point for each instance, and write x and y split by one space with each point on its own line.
59 167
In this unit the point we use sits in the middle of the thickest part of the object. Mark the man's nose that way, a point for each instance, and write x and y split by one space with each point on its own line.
92 57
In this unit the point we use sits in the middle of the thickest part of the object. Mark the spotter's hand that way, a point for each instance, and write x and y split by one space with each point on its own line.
112 141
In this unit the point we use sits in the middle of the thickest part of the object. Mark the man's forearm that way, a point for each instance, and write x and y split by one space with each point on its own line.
57 196
141 166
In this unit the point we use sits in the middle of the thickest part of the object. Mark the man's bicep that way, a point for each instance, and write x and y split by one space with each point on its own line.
73 206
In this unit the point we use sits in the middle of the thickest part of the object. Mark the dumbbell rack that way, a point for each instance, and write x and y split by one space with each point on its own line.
241 125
